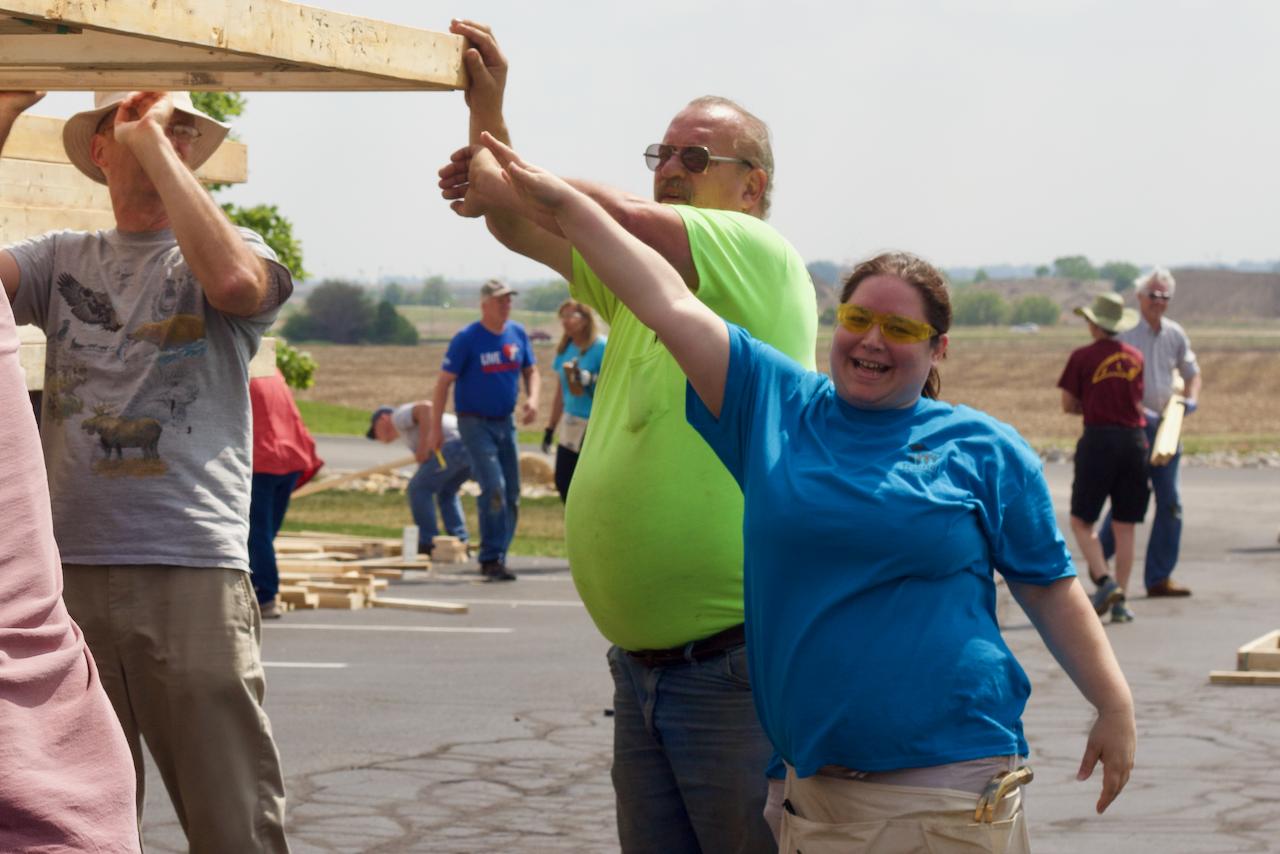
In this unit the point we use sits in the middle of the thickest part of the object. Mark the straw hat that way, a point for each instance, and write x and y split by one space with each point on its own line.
1108 312
80 128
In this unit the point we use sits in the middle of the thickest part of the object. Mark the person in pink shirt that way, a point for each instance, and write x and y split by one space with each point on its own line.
66 774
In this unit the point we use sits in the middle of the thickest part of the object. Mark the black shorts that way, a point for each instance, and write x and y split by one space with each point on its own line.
1111 462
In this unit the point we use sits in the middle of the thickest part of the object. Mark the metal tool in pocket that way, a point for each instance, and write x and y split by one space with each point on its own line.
999 786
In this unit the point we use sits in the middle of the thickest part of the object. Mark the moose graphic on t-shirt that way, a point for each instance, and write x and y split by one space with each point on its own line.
117 433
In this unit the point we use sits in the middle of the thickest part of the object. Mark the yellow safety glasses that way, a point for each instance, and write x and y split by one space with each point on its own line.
895 328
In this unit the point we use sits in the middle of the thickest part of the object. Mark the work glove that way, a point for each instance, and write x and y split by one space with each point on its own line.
587 378
1191 405
546 439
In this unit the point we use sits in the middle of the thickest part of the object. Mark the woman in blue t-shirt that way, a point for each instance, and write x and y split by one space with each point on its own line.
578 358
874 517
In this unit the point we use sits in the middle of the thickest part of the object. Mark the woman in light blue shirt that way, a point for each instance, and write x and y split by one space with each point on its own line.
577 364
874 518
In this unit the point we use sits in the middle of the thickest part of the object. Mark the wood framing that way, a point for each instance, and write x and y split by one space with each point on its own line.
1257 663
244 45
1260 654
1169 433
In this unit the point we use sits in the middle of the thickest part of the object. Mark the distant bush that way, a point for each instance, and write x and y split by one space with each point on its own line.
344 314
979 308
545 297
1036 308
298 366
828 316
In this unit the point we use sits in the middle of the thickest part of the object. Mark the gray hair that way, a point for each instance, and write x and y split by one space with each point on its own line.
1157 275
753 145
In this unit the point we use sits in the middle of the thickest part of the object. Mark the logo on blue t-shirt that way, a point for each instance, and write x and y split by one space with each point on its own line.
921 460
506 359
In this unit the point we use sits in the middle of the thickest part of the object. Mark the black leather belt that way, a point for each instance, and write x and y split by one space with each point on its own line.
691 652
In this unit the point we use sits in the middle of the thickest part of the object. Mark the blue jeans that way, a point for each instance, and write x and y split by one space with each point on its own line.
689 757
1166 522
432 484
495 464
268 502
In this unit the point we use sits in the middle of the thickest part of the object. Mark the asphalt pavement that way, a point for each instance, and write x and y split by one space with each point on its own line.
486 732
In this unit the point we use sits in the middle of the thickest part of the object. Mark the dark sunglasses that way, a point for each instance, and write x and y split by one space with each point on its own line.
695 158
1161 297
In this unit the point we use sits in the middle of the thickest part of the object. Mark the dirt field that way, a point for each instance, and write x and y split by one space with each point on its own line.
1011 378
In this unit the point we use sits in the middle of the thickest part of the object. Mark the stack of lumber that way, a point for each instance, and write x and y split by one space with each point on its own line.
320 570
1257 663
448 550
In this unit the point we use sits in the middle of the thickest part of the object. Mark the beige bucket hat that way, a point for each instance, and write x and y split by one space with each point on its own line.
80 128
1108 312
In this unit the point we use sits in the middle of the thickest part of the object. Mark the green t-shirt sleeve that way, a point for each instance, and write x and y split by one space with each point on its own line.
750 275
586 287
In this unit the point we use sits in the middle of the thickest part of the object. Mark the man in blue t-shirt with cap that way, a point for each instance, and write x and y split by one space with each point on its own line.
487 359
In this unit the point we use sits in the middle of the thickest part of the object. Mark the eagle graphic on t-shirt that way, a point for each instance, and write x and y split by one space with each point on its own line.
88 305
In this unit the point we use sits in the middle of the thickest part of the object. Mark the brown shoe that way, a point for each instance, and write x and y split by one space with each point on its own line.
1168 587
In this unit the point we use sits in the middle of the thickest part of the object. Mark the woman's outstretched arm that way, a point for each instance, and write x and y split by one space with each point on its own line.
638 276
1066 621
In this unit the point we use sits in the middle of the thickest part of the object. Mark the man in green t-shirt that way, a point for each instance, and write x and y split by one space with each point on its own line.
654 522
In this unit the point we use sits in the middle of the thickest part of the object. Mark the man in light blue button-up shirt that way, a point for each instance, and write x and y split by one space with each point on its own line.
1165 348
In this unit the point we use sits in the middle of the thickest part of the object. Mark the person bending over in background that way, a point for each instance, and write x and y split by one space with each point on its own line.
435 482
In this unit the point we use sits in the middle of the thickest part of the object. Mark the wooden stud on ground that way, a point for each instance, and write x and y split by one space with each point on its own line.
419 605
1243 677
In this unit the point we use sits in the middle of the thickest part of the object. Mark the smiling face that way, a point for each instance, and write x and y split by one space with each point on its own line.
723 186
1153 300
871 372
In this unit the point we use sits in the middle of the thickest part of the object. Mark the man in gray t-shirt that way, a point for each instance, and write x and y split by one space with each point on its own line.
146 427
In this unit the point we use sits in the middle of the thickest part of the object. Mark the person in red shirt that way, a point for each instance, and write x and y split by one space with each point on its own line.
1103 382
284 458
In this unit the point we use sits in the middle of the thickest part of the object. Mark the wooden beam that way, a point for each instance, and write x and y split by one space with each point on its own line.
1246 677
247 45
419 605
40 138
312 488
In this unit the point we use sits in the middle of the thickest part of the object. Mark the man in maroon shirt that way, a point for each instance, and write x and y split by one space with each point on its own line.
1103 382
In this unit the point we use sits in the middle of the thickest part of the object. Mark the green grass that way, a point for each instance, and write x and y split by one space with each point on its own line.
334 420
540 532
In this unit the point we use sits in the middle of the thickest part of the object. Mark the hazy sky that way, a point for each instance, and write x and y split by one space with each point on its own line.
974 132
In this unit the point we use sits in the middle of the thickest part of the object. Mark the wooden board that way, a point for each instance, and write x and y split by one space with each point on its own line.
1169 432
1260 654
1243 677
313 487
342 601
244 45
419 605
39 138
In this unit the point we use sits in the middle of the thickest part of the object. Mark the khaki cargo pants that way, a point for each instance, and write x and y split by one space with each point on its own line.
830 815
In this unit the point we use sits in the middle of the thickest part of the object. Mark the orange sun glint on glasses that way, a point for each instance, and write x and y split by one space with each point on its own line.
894 327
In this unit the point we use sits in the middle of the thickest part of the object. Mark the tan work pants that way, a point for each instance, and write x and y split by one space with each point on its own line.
178 651
838 816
